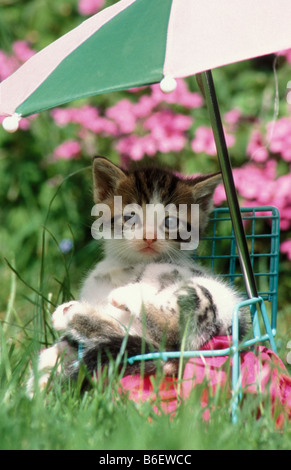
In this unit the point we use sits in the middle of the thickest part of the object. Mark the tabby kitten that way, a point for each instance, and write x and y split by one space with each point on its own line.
147 293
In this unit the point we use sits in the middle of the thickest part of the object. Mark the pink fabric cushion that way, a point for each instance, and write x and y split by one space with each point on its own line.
261 369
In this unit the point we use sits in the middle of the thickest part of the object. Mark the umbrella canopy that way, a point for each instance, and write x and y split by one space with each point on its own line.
140 42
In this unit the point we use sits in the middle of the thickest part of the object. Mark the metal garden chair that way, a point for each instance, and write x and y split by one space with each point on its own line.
241 248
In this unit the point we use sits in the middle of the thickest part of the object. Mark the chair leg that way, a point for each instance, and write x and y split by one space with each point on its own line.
236 386
268 326
236 375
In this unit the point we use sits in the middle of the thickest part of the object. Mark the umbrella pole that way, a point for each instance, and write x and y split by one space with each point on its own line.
206 84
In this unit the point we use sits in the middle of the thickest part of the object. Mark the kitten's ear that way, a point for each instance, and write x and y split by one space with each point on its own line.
203 191
106 177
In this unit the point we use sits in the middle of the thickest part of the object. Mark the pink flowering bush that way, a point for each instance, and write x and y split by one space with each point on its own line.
144 123
260 186
87 117
148 123
140 125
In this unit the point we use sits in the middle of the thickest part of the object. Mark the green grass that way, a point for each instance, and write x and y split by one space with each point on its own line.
35 277
64 418
101 418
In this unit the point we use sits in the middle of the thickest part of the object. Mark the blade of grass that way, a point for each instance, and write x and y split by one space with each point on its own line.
10 304
36 291
42 262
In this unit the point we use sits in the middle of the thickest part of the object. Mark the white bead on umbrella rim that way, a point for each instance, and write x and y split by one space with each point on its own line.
168 84
11 123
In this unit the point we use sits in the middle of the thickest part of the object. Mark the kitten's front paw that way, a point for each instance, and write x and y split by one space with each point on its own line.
64 313
126 298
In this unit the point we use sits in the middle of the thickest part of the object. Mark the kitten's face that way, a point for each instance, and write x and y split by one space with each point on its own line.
144 207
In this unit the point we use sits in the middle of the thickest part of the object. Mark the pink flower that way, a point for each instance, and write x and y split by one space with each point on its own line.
103 126
87 117
62 116
89 7
181 96
167 121
168 130
219 195
256 148
7 65
285 247
256 183
279 136
137 147
233 116
167 133
67 150
24 123
204 141
287 54
123 113
144 107
260 186
22 51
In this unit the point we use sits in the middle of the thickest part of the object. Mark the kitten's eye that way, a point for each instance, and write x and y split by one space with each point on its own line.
171 222
127 217
133 218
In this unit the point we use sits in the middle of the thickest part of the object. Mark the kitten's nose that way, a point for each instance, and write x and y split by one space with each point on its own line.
149 241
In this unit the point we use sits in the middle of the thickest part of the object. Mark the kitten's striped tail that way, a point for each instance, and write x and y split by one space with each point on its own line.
116 350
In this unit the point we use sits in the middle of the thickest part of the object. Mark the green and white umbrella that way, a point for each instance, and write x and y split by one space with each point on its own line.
140 42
